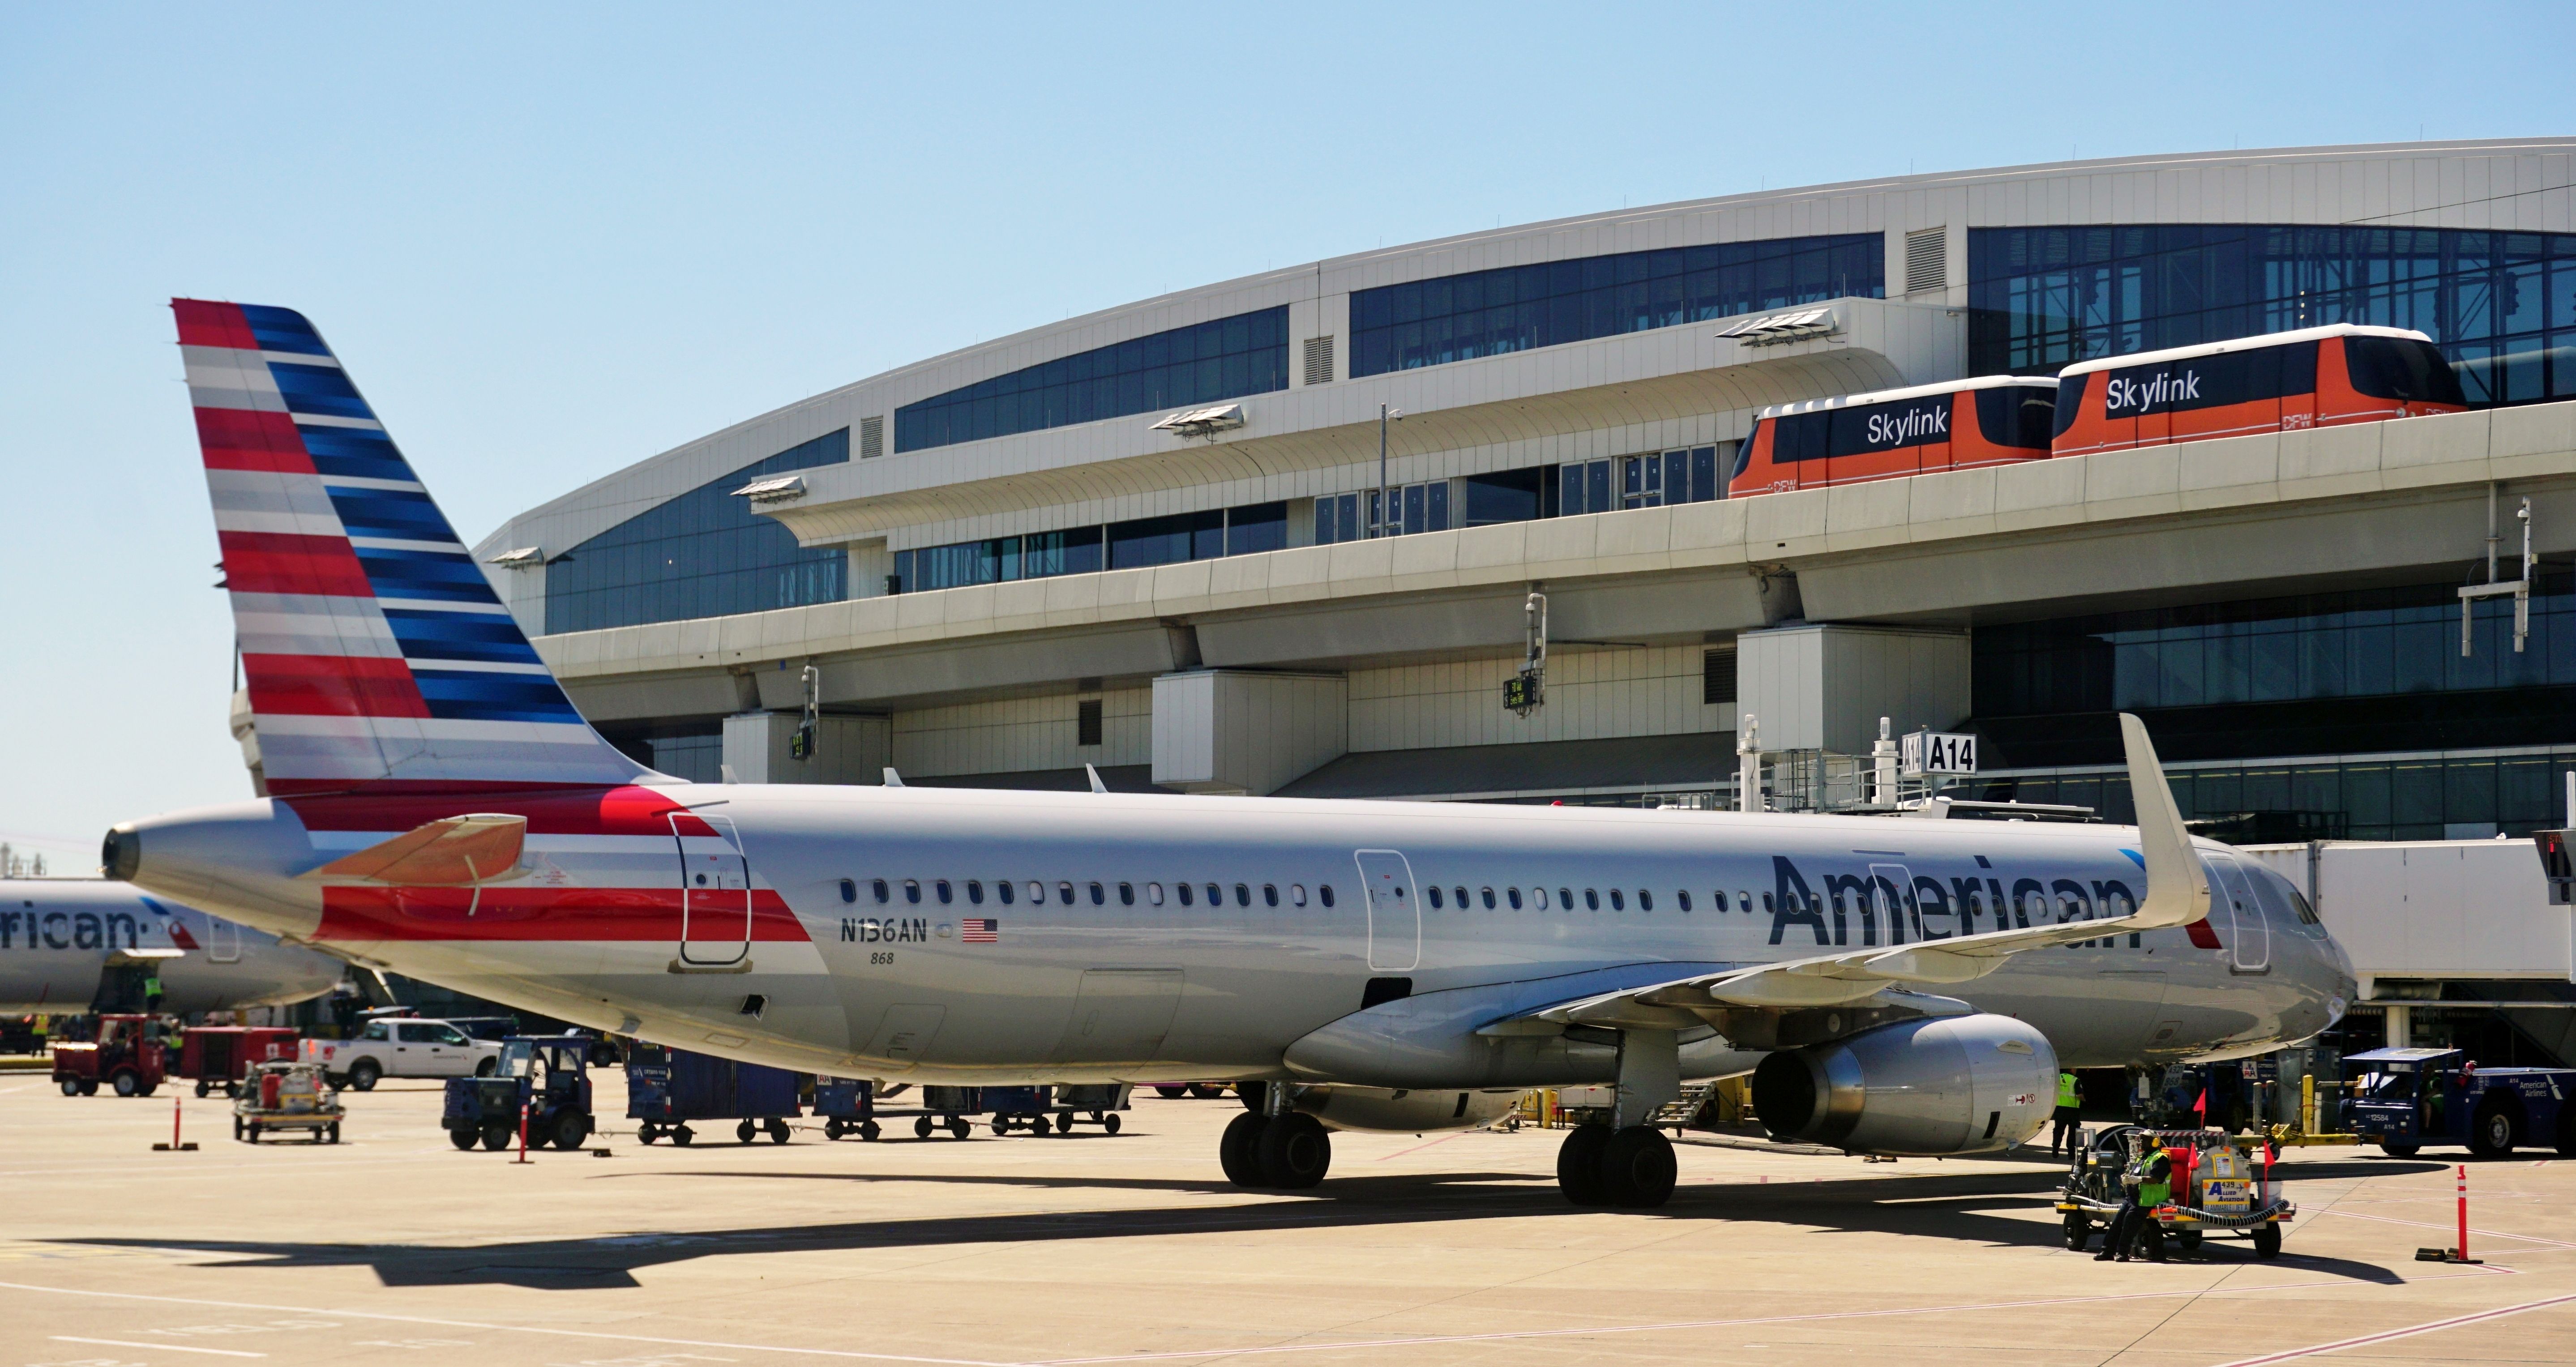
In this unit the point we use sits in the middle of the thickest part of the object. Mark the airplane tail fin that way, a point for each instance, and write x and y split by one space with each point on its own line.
375 650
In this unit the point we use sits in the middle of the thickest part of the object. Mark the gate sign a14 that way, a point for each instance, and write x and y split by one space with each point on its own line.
1938 752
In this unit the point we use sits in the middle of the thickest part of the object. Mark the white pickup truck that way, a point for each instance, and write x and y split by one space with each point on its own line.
402 1047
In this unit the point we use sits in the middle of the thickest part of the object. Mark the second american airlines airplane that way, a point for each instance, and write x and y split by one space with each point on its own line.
440 808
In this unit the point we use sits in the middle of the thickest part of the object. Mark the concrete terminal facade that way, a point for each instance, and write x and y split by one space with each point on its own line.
1144 539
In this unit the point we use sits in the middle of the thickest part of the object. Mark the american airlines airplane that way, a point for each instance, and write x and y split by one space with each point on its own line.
63 941
438 807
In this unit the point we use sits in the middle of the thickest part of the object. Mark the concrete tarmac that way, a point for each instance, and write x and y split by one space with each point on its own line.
393 1247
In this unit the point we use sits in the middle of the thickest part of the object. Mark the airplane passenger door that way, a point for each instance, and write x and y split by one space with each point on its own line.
715 893
223 941
1394 911
2251 944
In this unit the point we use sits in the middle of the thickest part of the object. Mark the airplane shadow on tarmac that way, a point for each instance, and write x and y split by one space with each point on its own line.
1995 1208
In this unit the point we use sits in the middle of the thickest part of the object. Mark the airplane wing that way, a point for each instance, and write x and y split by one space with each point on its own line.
458 851
1891 977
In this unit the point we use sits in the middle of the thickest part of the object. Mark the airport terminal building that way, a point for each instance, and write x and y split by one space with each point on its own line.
1153 539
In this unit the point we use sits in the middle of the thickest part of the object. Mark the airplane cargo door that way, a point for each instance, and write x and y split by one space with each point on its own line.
1394 912
1120 1015
2251 943
715 893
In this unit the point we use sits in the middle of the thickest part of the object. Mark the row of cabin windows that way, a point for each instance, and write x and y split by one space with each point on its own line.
1537 899
1007 892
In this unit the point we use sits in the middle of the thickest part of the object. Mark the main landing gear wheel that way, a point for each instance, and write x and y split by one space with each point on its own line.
1234 1150
1294 1151
1637 1168
1578 1164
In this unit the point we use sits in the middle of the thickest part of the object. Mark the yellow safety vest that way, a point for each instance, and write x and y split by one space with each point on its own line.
2066 1089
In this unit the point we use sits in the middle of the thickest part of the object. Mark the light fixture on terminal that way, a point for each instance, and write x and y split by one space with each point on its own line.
1203 422
524 558
773 489
1797 325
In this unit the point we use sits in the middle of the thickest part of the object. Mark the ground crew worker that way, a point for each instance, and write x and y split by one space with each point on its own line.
2146 1185
2070 1111
152 990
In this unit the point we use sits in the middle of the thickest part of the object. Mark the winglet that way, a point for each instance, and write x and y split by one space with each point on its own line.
1096 785
2177 889
892 779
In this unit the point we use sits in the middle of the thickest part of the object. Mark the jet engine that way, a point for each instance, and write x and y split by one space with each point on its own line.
1921 1088
1404 1112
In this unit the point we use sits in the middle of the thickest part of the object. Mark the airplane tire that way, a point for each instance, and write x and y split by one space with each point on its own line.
1578 1164
463 1139
1637 1168
2492 1130
1295 1152
1235 1150
1255 1096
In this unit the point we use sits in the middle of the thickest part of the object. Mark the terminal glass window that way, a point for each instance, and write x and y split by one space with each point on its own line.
2327 673
1354 517
703 554
1517 308
1246 530
2502 306
1203 363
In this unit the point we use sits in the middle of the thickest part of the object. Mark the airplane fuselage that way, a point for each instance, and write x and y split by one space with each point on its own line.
58 935
985 936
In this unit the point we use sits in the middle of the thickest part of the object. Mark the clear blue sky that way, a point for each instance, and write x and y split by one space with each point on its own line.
551 240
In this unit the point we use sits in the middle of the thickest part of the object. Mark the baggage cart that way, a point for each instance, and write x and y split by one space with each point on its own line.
222 1055
847 1106
667 1088
948 1107
1090 1104
287 1095
1021 1108
2221 1184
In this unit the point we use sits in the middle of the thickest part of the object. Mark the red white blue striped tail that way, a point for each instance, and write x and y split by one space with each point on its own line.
375 650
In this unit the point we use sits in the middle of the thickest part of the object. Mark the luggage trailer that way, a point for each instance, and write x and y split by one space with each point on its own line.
2222 1184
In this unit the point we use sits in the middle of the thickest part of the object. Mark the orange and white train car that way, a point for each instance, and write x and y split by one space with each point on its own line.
2277 382
1960 425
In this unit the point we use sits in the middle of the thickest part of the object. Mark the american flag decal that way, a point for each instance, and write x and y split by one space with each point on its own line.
979 930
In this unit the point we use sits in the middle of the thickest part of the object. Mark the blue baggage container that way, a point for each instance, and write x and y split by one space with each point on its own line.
847 1105
948 1107
667 1088
1019 1108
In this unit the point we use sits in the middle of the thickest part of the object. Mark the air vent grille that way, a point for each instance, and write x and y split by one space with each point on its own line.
1086 722
1927 260
1319 360
1717 676
871 438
